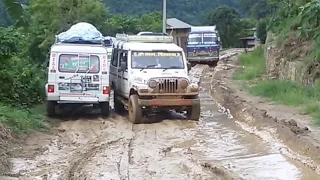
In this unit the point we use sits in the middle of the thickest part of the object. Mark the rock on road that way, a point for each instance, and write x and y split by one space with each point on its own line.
216 147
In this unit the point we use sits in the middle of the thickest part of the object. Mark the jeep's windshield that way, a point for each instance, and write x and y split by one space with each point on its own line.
71 63
157 60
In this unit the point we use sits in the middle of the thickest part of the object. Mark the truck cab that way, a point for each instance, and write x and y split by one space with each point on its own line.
203 44
150 73
77 74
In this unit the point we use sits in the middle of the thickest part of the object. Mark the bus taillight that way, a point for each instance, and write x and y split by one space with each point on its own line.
106 90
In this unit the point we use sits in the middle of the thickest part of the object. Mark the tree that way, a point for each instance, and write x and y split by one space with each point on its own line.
257 8
49 18
123 24
228 23
16 11
151 22
262 31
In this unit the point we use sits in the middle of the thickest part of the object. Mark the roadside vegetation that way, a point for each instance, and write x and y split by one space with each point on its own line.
28 27
24 47
288 93
295 24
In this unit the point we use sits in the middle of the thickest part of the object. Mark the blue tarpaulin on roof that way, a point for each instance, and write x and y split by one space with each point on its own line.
81 32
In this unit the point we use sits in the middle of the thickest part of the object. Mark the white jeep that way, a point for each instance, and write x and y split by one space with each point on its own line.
151 73
78 74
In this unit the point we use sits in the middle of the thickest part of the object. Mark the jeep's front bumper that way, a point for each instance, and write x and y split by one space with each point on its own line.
168 102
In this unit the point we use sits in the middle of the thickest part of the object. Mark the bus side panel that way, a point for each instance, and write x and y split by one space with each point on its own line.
104 71
52 72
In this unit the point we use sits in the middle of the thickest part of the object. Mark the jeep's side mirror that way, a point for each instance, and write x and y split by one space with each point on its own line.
123 66
189 66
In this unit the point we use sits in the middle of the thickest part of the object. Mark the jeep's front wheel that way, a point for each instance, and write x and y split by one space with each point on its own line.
135 110
105 109
51 108
193 112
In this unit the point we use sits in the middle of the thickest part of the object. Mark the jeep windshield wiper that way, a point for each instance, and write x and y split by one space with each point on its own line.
171 67
151 65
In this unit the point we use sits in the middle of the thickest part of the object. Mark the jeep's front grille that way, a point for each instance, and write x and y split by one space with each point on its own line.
168 85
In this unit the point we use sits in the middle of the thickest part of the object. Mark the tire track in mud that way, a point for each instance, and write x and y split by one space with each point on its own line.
146 151
80 167
78 164
170 149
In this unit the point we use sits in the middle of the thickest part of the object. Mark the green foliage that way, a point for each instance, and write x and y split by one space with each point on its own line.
258 9
17 12
59 16
151 22
253 65
290 93
285 92
23 82
262 31
133 24
191 11
24 48
228 23
20 120
301 17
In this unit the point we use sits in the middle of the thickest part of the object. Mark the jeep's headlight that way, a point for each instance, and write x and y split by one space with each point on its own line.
152 84
184 84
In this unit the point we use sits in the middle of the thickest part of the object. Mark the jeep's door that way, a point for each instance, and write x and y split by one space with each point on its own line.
119 72
114 65
124 73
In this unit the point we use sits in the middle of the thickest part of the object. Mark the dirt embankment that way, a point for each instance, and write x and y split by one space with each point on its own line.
7 144
286 60
285 123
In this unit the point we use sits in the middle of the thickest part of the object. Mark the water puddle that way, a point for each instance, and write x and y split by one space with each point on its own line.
243 152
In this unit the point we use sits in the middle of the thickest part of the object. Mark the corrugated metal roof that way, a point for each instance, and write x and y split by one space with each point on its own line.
177 24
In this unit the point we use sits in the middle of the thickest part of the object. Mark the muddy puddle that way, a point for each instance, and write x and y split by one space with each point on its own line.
214 148
252 155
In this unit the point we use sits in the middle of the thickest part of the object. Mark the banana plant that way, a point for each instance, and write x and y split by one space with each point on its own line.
17 12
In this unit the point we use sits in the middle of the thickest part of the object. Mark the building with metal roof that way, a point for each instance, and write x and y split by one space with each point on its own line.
179 30
174 23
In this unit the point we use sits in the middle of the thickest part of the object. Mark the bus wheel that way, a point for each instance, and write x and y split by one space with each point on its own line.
105 108
51 108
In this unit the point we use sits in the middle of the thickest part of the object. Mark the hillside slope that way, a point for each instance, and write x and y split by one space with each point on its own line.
190 11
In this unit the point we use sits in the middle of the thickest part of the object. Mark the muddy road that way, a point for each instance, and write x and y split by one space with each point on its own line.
216 147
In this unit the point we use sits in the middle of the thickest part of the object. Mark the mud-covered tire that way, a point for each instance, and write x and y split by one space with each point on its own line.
105 108
118 105
193 112
51 108
135 110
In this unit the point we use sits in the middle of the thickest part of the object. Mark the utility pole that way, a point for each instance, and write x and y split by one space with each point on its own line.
164 16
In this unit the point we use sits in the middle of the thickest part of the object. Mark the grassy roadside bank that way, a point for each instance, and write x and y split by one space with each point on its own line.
22 120
15 123
283 92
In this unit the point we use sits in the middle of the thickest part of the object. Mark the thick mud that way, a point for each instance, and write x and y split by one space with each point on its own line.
216 147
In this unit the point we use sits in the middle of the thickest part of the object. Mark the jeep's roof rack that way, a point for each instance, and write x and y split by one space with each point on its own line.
144 39
79 41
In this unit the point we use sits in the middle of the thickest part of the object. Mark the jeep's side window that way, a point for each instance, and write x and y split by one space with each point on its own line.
124 58
114 61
